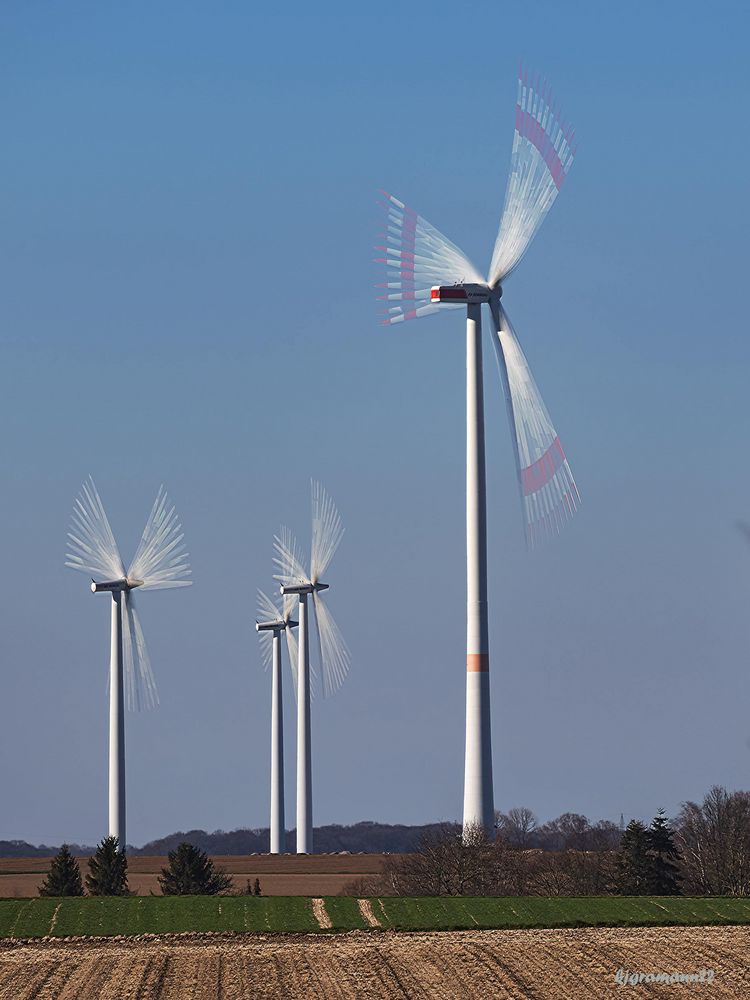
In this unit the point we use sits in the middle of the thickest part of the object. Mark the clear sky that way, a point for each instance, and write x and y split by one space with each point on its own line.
187 216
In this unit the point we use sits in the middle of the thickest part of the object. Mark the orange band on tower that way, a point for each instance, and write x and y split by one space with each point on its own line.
477 662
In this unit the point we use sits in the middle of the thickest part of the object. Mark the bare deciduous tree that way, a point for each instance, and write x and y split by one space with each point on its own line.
570 856
517 827
714 841
450 862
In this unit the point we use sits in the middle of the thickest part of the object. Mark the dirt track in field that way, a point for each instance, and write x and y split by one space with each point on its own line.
534 965
280 875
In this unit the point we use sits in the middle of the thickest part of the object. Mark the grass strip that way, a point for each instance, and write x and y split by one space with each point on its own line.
107 916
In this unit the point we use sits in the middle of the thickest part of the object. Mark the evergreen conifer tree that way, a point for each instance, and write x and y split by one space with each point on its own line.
191 873
663 876
633 862
108 870
64 876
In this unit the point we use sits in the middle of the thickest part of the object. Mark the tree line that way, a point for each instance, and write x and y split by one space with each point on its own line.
189 872
705 850
366 837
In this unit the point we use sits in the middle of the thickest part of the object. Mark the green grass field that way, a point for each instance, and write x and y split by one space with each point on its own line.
21 918
558 911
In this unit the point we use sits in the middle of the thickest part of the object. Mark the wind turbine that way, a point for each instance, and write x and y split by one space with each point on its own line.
271 622
160 562
333 654
427 272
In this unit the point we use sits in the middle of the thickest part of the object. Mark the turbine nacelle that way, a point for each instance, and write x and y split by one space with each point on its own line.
275 626
114 585
469 292
302 588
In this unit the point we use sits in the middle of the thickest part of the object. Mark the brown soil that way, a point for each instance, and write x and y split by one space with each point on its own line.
321 914
534 965
280 875
365 908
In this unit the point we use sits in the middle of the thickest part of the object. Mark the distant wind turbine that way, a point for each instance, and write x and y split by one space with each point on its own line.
333 653
271 622
160 563
427 272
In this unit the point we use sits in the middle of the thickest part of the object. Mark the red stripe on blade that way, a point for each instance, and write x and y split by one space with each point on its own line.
533 477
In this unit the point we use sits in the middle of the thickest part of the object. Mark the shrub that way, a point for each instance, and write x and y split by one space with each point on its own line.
108 870
191 873
64 876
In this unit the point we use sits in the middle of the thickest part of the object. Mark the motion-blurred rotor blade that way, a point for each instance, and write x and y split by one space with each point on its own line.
327 531
161 560
267 608
266 611
417 256
288 559
549 494
91 545
333 651
541 158
140 686
319 643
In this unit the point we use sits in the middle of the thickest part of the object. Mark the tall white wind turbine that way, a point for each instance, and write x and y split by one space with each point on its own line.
427 272
271 622
333 654
160 563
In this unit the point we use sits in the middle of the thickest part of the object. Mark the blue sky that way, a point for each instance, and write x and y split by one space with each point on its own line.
188 207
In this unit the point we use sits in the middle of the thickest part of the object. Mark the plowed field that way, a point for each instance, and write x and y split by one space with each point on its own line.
538 964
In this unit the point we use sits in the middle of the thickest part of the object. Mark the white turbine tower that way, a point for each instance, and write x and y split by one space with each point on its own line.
160 562
426 273
271 622
333 654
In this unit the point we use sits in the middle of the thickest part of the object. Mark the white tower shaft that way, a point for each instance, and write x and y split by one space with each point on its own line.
277 751
116 726
304 760
478 793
